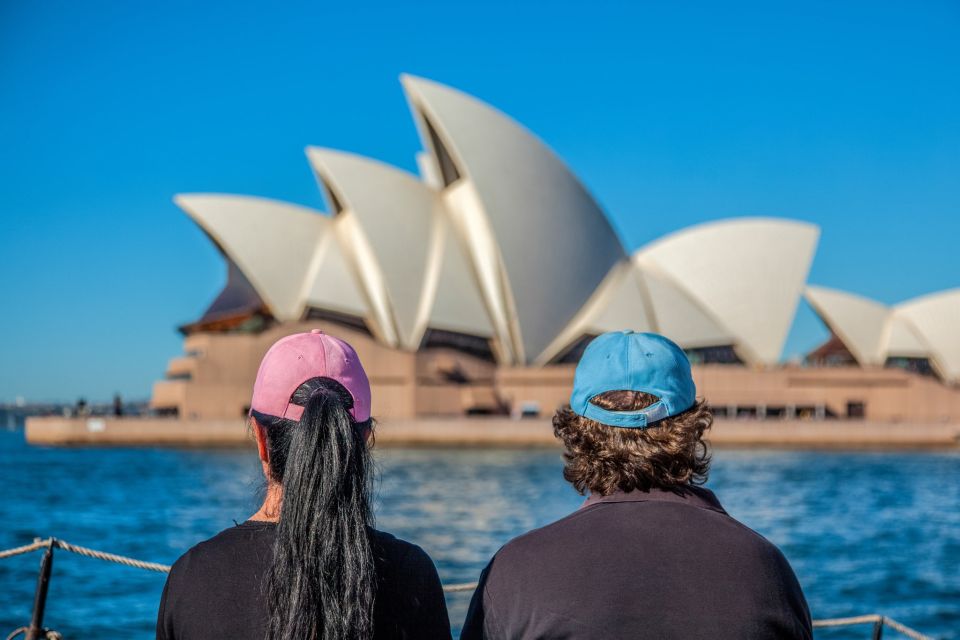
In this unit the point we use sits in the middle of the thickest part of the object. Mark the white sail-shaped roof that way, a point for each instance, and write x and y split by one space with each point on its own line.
747 274
254 233
936 318
452 298
617 304
625 306
395 215
332 284
860 323
642 299
925 327
680 317
540 244
500 240
901 340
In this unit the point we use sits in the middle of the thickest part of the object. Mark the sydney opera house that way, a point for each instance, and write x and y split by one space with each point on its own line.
473 287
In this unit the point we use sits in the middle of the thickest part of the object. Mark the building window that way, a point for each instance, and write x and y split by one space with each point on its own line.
919 366
347 320
573 353
723 354
476 346
856 410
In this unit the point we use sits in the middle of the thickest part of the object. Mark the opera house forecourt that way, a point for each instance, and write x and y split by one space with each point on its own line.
473 287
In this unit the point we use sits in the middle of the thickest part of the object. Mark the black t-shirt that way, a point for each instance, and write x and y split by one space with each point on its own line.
638 565
215 590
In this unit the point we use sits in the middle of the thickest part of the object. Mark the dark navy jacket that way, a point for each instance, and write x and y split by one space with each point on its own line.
637 565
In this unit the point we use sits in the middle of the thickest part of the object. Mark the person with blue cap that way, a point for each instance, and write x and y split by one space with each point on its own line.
651 553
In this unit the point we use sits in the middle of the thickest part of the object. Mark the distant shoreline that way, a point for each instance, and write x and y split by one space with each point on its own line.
491 432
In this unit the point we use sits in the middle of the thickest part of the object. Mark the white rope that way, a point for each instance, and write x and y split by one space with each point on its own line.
27 548
843 622
885 621
907 631
112 557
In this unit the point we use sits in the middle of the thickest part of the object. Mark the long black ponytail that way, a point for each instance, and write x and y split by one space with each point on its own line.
322 582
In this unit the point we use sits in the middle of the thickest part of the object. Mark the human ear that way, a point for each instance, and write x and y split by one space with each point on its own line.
261 436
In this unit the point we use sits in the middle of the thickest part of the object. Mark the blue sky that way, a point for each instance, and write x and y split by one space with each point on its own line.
843 114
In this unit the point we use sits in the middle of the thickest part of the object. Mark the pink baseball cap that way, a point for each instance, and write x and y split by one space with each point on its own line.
293 360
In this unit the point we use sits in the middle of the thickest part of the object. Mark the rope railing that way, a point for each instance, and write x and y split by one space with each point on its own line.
27 548
878 621
882 621
111 557
45 543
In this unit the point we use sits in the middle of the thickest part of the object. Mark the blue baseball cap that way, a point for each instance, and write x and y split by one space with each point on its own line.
629 361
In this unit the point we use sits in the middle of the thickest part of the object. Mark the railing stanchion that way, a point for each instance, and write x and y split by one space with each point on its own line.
35 631
878 629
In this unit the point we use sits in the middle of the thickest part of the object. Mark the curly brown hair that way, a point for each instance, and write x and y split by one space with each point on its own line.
603 459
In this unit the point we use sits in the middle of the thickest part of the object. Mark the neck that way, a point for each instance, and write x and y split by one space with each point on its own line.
270 509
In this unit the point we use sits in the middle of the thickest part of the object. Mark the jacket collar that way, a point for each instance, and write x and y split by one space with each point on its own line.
688 495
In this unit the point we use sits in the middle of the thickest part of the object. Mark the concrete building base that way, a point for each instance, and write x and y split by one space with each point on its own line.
489 432
212 382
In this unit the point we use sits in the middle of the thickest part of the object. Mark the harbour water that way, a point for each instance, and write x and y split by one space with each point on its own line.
865 532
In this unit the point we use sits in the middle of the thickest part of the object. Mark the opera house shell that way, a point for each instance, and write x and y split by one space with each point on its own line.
474 286
921 334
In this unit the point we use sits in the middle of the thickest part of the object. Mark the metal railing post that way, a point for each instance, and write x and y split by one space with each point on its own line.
35 631
878 629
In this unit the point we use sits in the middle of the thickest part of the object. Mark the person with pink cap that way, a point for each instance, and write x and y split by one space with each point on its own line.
308 564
